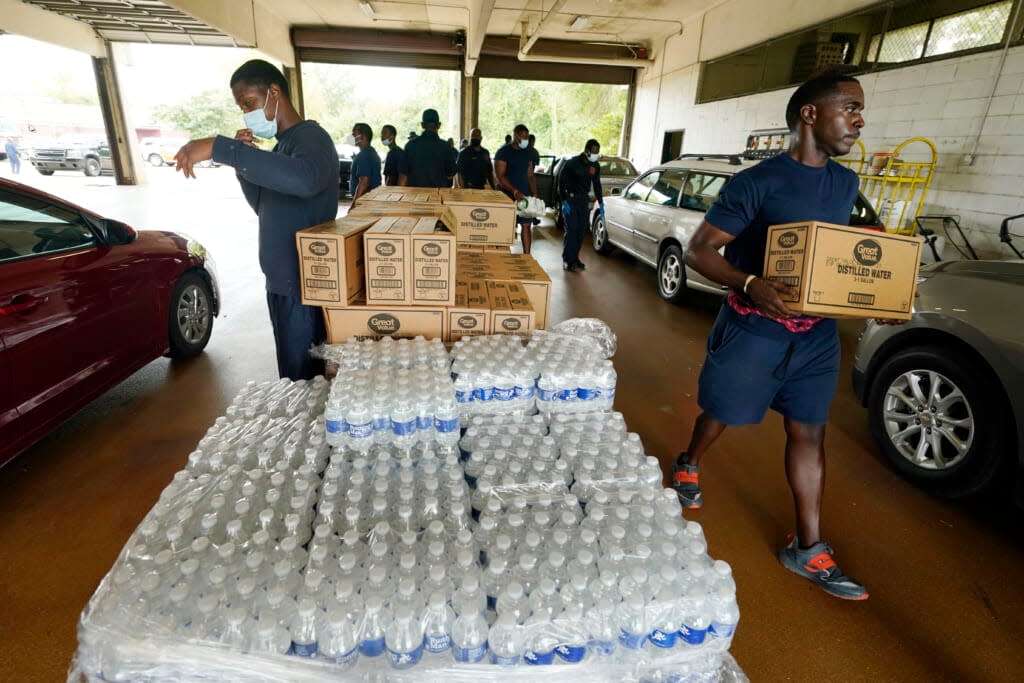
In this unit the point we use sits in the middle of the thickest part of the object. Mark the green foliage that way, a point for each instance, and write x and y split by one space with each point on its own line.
338 97
562 115
210 113
66 90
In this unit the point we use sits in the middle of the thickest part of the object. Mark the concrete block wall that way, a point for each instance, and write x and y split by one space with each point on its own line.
946 101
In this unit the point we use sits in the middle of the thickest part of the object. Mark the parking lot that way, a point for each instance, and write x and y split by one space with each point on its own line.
945 603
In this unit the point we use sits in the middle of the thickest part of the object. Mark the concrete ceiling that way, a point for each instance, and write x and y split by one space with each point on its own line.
266 24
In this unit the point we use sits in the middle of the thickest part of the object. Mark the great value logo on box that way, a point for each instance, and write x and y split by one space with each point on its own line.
331 262
387 266
839 271
432 264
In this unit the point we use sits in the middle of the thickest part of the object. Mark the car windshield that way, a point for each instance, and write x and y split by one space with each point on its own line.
617 167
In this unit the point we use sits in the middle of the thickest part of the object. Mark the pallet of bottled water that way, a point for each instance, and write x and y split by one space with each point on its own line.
373 528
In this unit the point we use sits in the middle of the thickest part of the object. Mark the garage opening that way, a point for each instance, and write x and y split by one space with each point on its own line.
338 96
561 115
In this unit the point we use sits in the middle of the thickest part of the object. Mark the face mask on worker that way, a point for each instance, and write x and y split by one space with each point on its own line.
386 142
257 121
475 142
523 144
592 158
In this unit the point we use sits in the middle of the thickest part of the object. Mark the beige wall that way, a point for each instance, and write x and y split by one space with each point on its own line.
945 101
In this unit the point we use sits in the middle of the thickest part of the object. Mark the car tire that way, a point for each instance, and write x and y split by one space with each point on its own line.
190 317
155 160
42 172
599 236
672 275
908 426
92 167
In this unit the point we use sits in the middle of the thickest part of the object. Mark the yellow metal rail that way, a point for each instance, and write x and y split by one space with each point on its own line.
895 187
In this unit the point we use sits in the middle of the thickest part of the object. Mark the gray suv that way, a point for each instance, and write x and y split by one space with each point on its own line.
656 215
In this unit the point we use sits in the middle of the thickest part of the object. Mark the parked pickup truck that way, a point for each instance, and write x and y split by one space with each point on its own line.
90 157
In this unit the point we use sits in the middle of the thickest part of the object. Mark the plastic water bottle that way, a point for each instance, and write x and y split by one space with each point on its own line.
573 647
404 639
603 632
270 638
438 621
469 638
694 629
513 601
725 614
303 629
544 600
339 642
372 629
541 641
505 640
334 420
632 622
469 598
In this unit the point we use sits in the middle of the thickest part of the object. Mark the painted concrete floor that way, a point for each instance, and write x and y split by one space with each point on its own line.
946 597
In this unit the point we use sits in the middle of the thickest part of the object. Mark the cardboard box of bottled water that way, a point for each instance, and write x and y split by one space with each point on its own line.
841 272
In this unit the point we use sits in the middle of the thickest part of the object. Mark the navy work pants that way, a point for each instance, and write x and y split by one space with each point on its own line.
296 329
575 228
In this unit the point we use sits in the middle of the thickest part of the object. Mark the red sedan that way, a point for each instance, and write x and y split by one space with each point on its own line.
86 301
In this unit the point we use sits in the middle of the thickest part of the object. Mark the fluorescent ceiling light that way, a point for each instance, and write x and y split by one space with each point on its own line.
367 9
579 23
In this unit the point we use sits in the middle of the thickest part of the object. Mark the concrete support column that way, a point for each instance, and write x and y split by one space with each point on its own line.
469 104
120 136
627 122
294 77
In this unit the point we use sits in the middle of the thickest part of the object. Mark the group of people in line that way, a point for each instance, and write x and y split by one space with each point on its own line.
429 161
760 354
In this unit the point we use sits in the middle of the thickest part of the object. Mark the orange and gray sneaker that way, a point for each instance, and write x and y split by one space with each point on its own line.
686 482
817 564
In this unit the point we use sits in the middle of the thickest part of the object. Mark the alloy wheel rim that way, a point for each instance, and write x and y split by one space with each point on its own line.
671 274
193 314
928 419
599 235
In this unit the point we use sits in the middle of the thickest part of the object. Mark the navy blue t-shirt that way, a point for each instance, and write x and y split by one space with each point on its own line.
779 190
517 170
365 163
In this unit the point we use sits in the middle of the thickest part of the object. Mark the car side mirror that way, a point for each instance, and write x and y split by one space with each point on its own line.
116 232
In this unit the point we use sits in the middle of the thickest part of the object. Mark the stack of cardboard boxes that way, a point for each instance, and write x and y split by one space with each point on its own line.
421 261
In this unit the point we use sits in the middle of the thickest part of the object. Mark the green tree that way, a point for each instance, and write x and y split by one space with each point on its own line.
207 114
64 89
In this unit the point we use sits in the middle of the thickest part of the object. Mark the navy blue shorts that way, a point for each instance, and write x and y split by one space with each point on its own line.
754 364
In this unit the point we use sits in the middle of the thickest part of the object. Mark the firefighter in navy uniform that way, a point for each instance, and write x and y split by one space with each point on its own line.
581 173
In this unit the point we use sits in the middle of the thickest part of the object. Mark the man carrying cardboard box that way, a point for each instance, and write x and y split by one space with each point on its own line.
760 354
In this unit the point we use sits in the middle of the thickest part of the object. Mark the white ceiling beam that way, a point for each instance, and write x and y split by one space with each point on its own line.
249 24
22 19
524 47
479 18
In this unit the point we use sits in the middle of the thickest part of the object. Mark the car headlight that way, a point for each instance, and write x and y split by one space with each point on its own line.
74 154
196 249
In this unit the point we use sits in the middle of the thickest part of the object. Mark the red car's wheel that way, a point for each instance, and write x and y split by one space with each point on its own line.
190 318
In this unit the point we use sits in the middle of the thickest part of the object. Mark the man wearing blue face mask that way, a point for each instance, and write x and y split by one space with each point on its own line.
513 166
295 186
581 173
366 164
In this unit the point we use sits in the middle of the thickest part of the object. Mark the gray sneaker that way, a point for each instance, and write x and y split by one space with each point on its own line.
817 564
686 482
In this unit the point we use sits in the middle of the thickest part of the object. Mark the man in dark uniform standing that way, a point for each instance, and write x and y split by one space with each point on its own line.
581 173
393 160
290 188
428 160
474 167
